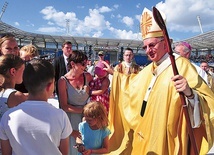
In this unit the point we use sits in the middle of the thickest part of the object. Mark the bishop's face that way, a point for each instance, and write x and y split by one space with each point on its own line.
154 48
180 49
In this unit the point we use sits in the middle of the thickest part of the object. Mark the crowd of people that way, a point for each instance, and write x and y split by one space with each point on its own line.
208 58
124 109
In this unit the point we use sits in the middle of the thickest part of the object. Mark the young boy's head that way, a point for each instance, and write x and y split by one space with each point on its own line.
38 75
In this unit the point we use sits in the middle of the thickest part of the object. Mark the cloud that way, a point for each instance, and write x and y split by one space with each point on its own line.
106 20
123 34
128 21
119 16
138 5
51 30
104 9
183 17
17 23
112 15
58 17
116 6
50 23
98 34
95 19
92 25
138 17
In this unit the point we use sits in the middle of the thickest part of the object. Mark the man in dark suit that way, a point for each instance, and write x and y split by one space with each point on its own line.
60 63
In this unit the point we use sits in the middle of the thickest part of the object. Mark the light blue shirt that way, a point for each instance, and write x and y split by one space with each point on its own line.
92 139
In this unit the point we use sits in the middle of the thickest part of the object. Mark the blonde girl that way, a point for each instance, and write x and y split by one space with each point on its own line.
93 129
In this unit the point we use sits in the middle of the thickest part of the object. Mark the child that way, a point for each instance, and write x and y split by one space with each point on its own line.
100 85
94 131
35 126
11 71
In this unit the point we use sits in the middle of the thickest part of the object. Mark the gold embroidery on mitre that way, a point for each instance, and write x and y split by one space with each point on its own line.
146 24
149 27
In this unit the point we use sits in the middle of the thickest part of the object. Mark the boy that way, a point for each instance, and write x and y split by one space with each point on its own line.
35 126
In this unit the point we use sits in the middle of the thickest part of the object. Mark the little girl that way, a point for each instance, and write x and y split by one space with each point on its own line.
93 129
99 86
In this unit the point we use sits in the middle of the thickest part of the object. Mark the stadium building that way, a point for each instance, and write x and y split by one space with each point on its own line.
49 46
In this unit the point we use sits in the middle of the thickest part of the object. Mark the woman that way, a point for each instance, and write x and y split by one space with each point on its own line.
28 52
8 44
74 92
11 71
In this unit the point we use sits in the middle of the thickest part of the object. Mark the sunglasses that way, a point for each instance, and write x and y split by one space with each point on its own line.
151 45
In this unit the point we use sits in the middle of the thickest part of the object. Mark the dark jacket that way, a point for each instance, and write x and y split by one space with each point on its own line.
60 70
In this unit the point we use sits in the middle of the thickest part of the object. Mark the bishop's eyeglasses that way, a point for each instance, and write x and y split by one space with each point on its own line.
151 45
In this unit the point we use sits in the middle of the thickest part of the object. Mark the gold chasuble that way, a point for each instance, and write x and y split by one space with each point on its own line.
162 130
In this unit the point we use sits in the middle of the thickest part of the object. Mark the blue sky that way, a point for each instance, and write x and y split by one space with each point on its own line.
107 18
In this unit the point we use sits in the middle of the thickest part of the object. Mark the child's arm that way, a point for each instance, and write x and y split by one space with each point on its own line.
6 147
104 87
76 134
79 145
64 146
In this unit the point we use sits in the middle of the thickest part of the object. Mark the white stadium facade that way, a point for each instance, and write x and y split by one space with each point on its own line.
50 45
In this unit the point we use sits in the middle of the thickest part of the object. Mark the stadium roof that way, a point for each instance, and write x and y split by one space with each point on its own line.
204 41
42 40
200 42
